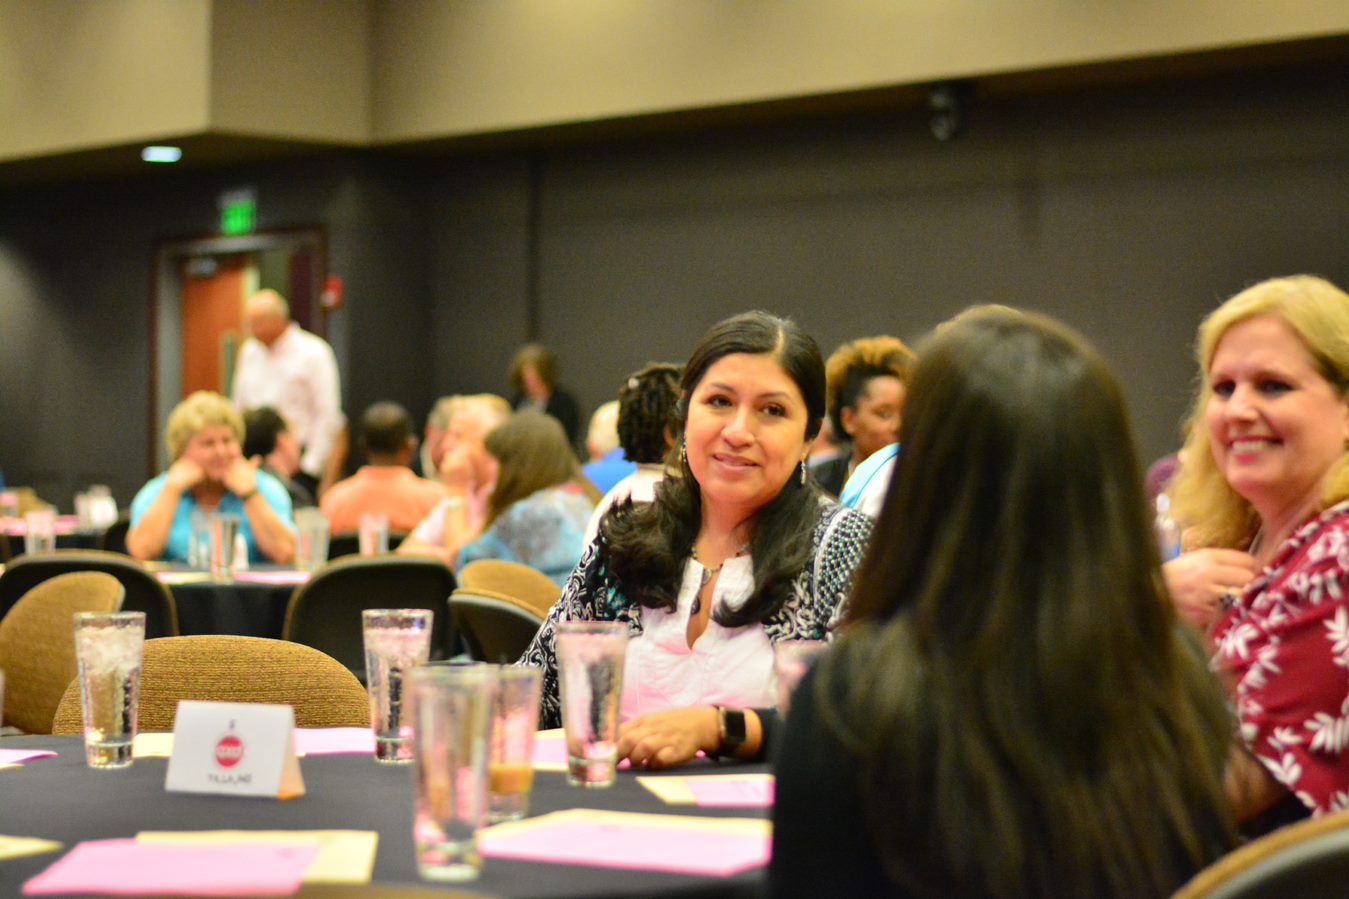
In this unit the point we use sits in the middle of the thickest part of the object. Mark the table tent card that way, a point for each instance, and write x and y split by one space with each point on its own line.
236 749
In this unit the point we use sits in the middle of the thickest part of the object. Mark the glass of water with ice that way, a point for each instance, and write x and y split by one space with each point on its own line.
396 641
108 650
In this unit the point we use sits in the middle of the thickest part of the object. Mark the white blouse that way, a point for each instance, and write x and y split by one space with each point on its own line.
726 666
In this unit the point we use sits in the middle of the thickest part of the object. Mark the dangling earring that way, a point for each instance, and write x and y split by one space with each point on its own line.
684 452
803 472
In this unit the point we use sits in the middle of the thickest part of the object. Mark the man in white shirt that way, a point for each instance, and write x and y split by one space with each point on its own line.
295 372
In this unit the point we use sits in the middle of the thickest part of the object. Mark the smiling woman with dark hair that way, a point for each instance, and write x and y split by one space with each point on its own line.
1012 709
736 553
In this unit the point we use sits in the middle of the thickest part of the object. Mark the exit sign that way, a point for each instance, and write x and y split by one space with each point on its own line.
238 211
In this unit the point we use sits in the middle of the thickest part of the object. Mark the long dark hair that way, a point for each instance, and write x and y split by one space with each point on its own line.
648 544
1029 719
534 454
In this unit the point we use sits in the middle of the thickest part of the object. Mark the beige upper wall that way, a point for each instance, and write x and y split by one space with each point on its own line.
297 68
76 74
458 67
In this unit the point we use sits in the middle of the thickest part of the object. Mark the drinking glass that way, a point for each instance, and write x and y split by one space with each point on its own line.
311 542
2 698
515 717
224 530
590 671
39 534
374 534
199 541
108 651
396 641
451 713
9 504
791 661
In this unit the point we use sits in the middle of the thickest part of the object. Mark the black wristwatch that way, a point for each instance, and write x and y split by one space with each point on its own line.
730 729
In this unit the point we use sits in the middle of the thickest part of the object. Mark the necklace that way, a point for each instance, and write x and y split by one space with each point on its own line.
708 574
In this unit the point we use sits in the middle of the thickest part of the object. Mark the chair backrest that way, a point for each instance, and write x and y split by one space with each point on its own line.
113 540
37 643
144 593
326 612
530 586
1309 860
236 669
348 543
496 627
4 548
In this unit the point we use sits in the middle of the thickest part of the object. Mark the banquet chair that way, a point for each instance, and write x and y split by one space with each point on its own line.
37 645
496 627
4 548
529 586
1309 860
144 592
325 613
348 543
220 668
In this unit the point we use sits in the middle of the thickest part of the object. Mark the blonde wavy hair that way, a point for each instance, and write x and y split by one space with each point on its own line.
200 410
1318 312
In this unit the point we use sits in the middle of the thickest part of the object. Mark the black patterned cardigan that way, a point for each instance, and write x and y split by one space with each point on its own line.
818 597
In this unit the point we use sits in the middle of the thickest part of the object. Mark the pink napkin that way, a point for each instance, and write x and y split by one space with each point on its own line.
334 741
127 868
19 756
725 792
676 849
272 577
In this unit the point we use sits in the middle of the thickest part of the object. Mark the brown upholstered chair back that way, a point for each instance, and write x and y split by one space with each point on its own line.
237 669
496 628
532 588
37 644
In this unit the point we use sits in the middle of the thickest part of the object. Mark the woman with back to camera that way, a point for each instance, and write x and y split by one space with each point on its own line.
1265 472
540 504
1012 709
739 552
209 474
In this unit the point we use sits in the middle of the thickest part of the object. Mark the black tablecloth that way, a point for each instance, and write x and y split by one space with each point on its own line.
62 799
241 608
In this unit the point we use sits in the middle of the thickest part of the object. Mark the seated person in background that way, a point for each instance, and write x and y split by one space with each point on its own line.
647 423
468 476
209 473
739 552
385 485
1266 475
427 462
865 384
607 466
538 509
1011 709
533 380
269 444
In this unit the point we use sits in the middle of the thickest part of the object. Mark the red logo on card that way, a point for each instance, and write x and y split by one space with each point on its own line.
229 751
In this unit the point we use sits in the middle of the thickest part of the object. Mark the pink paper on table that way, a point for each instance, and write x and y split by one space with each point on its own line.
675 849
334 741
127 868
726 792
272 577
19 756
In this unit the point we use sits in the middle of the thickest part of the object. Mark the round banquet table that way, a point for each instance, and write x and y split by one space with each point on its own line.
251 605
62 799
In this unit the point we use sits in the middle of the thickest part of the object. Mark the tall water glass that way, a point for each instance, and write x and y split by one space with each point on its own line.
108 651
515 718
373 535
590 671
224 530
39 534
9 504
791 661
199 541
2 698
396 641
311 539
451 712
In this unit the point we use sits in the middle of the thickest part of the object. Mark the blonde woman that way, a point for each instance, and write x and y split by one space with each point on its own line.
209 473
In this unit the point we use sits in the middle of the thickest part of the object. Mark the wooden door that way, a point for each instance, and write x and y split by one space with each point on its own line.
213 327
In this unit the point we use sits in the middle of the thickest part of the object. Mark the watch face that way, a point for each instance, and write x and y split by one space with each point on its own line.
732 728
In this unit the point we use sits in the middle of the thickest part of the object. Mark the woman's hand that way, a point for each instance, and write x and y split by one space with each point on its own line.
1198 580
242 477
670 737
456 469
184 474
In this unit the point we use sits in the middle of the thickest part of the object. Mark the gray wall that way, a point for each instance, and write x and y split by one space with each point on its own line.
1129 213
